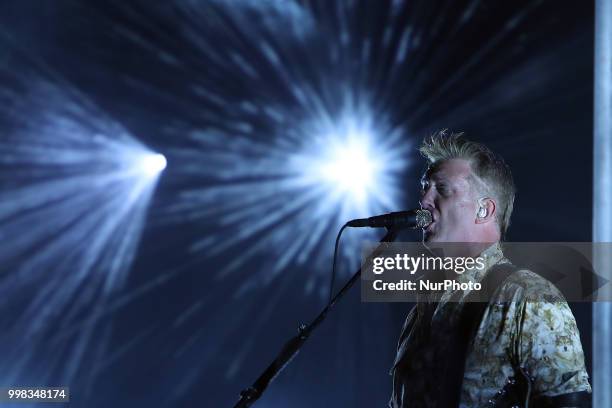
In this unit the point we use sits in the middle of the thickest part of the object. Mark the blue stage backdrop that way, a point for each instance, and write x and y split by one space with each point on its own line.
173 174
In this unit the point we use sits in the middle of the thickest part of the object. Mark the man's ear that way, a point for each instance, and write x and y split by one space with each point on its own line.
486 210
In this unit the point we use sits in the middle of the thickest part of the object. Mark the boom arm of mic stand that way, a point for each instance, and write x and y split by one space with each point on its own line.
249 395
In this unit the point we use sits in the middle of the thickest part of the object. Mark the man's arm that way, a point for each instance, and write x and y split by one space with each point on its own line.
551 352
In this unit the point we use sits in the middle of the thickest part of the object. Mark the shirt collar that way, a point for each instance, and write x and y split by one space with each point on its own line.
492 255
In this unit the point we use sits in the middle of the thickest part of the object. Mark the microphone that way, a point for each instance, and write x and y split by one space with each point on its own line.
400 219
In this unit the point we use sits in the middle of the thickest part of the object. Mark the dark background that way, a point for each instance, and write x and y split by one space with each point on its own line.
515 75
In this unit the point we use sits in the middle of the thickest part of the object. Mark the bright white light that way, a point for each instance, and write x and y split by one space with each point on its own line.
350 169
353 164
152 164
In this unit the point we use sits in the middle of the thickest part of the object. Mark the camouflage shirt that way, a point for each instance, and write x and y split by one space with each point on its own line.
532 325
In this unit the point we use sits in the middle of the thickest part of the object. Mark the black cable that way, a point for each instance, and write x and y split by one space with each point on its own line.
333 276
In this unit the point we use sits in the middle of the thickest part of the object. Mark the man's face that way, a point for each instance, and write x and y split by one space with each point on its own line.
447 193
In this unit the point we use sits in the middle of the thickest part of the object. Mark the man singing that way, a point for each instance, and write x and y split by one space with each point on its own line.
525 344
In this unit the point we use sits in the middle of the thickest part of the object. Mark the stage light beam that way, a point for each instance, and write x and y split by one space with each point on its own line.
84 180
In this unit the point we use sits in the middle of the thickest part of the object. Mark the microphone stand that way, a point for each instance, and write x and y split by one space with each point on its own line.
249 395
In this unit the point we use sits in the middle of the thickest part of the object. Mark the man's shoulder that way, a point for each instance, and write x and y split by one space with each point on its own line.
528 286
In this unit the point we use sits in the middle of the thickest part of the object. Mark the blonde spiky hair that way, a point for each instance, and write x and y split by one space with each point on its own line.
492 176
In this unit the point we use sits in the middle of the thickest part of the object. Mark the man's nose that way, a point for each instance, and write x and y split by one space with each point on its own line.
426 200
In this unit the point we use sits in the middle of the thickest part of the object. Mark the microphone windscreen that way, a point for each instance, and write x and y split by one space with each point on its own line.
423 218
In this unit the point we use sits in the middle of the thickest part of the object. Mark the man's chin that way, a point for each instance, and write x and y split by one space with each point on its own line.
432 237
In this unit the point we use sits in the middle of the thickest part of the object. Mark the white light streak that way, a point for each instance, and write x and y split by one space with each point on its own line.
71 218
